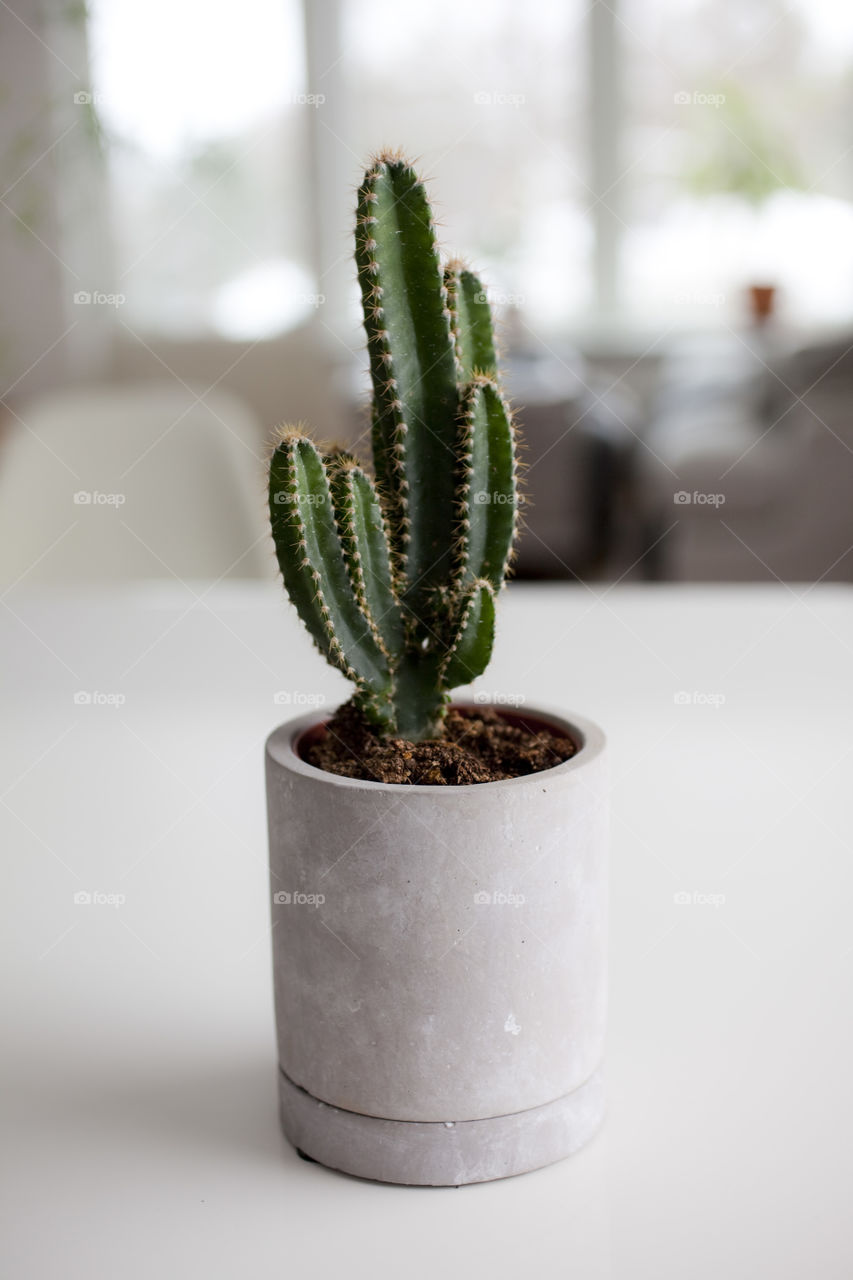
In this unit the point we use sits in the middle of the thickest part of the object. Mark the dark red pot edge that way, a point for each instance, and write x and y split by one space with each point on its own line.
533 724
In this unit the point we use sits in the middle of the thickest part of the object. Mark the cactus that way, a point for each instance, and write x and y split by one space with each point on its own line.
396 579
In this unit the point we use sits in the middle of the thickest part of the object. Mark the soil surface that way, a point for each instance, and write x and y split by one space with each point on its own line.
479 745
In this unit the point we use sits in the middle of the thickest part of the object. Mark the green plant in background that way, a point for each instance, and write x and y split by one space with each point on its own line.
396 579
741 151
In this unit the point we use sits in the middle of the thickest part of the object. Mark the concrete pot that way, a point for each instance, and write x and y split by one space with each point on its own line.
439 964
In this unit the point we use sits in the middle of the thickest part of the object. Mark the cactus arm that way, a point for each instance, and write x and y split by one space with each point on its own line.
312 563
413 369
488 484
470 322
365 544
338 457
471 650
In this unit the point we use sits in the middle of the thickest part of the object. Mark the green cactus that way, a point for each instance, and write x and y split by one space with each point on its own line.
396 581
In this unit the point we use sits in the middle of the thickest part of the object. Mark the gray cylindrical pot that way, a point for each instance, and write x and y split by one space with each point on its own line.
439 964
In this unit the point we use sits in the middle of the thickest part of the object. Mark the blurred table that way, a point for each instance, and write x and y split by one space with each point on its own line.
140 1131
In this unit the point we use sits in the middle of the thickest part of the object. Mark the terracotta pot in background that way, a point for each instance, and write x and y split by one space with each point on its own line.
762 300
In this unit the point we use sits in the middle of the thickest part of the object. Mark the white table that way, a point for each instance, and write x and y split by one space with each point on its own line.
141 1136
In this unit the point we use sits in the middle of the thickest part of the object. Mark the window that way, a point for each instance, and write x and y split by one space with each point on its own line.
490 99
739 149
201 104
638 161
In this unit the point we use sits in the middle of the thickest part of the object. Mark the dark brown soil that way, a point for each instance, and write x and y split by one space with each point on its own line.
479 745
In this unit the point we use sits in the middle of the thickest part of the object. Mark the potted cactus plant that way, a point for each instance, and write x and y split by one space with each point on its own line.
438 874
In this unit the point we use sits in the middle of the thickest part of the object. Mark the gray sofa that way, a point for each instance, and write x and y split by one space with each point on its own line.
748 474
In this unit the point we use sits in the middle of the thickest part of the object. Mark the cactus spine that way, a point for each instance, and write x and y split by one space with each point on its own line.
396 581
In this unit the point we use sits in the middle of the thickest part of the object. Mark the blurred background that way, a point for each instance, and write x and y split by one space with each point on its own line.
659 194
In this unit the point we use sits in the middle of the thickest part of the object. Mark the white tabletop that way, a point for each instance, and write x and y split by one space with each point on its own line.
141 1136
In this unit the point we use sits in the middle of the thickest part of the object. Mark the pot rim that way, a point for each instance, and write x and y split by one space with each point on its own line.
281 746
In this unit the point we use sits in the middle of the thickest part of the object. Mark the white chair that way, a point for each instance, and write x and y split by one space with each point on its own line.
129 481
